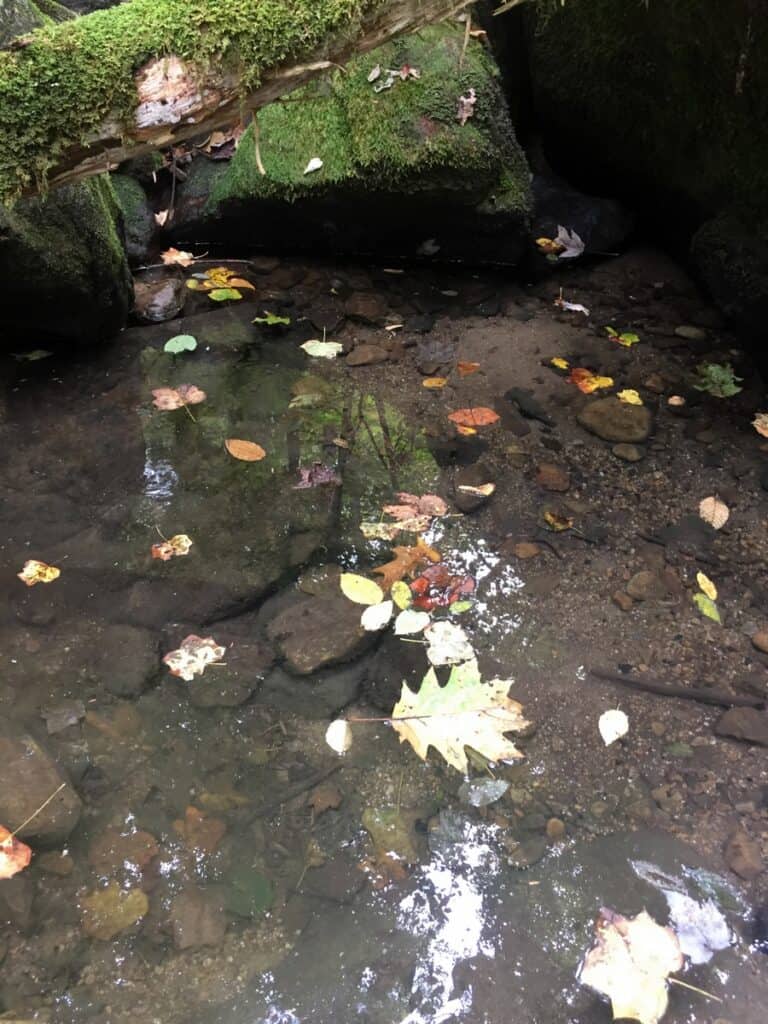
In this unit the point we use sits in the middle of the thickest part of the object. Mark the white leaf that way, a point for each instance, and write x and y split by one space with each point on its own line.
338 736
374 73
314 165
613 725
571 243
409 621
376 616
322 349
448 644
714 511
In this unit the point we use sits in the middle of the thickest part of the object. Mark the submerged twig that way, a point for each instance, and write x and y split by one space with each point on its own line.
698 693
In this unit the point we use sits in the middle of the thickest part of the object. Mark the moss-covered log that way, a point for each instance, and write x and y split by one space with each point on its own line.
85 95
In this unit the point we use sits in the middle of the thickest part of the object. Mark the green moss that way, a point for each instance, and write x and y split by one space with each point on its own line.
75 74
403 139
668 92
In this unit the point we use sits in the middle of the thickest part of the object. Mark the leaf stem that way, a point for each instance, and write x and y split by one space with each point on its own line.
693 988
33 815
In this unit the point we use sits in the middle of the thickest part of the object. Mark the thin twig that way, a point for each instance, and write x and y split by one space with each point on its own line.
33 815
693 988
705 696
256 144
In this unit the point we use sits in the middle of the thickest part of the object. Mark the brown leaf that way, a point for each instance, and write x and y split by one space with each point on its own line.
466 368
526 549
240 282
112 850
199 832
477 416
405 562
246 451
107 912
14 855
325 797
175 398
413 505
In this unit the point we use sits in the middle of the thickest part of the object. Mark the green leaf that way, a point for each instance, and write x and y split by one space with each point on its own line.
224 294
707 607
180 343
401 594
459 607
272 320
612 332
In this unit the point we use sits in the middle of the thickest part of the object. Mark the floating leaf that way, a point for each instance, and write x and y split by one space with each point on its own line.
314 165
180 343
714 511
338 736
401 594
246 451
459 607
706 585
177 546
707 606
177 257
627 338
448 644
630 396
193 656
376 616
14 855
559 363
569 242
466 712
359 589
272 320
434 383
224 294
477 416
613 725
168 399
587 381
630 963
549 246
388 531
483 491
760 423
413 505
466 368
322 349
409 622
406 560
38 572
240 282
557 522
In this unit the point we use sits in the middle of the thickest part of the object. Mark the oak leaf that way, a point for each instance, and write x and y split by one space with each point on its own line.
466 712
405 562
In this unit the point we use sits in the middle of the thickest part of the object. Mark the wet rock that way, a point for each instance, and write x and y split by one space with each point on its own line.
125 660
628 452
552 477
526 549
422 323
392 832
61 716
366 306
529 852
646 586
555 830
138 221
760 641
156 301
622 600
529 405
742 855
602 224
690 333
327 316
617 421
746 724
336 880
198 918
732 258
16 896
54 862
322 696
28 777
366 355
434 352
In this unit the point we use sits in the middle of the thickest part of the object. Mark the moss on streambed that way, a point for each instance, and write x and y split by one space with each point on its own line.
76 74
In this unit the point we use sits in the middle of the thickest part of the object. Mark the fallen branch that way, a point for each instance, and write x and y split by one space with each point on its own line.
698 693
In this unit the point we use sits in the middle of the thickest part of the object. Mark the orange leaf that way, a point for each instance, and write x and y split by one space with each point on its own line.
14 855
406 560
434 382
177 545
479 416
587 381
466 368
466 431
38 572
240 282
177 257
199 832
246 451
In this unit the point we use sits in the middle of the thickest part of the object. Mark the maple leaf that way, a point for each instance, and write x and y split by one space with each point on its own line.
176 398
406 560
630 963
38 572
466 712
193 656
178 545
14 855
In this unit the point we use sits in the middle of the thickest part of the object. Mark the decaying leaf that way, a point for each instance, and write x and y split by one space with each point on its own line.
176 398
246 451
760 423
477 416
406 561
466 107
272 320
483 491
374 73
448 644
613 725
325 797
409 622
465 431
315 476
338 736
107 912
465 368
466 712
377 616
706 586
413 506
630 963
178 545
439 587
359 589
630 396
388 531
176 257
193 656
38 572
199 832
714 511
586 381
322 349
557 522
14 855
626 338
434 383
569 307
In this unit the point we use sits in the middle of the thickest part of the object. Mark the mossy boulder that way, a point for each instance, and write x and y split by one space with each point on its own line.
64 277
138 222
17 17
398 167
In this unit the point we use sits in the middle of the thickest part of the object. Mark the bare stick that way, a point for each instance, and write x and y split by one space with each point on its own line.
693 988
705 696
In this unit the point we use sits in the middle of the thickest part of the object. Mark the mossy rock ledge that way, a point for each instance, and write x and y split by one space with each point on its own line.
398 167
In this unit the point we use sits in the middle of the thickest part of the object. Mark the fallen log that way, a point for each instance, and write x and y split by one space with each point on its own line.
81 97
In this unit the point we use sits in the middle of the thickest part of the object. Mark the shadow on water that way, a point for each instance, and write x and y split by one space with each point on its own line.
262 908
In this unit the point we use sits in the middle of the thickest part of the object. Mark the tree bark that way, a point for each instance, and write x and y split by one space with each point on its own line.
83 96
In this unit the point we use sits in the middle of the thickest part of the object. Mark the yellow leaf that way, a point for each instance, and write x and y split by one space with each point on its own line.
359 589
706 586
434 383
630 396
401 594
246 451
38 572
560 363
557 522
176 546
549 246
